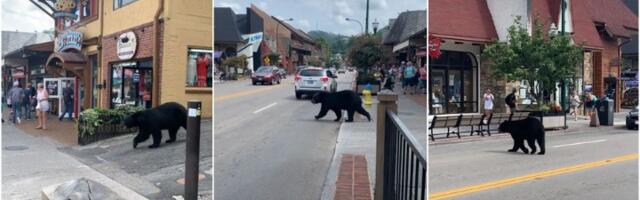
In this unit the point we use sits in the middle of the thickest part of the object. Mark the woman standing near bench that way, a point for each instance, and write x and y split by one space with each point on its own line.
488 103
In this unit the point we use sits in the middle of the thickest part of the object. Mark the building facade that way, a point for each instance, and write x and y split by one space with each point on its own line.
140 52
460 75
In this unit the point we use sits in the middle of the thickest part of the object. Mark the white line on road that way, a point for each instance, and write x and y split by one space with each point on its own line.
579 143
266 107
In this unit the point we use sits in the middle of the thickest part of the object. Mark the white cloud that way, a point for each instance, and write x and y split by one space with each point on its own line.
263 5
24 16
304 23
237 8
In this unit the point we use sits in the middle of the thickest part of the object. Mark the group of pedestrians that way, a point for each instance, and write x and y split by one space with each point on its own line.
414 80
22 101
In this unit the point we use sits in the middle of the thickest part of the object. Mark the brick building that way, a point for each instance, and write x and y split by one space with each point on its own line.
460 75
141 52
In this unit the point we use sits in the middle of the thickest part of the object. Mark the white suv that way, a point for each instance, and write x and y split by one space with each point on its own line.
312 80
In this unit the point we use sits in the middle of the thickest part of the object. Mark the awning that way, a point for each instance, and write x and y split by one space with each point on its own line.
401 46
67 60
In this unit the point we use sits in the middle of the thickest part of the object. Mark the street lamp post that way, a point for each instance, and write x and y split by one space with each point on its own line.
366 20
277 36
375 26
563 90
355 20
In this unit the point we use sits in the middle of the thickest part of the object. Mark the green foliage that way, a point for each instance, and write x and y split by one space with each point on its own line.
326 47
534 58
314 62
91 119
236 61
365 52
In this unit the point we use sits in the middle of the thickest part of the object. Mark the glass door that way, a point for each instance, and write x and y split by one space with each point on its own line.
437 88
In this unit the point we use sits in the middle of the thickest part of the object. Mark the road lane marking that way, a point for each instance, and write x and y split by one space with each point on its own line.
579 143
248 92
510 181
264 108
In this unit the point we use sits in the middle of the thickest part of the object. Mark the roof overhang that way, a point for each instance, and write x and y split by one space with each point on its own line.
71 61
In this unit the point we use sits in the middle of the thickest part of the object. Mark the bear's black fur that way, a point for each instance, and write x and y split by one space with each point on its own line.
170 116
338 101
529 129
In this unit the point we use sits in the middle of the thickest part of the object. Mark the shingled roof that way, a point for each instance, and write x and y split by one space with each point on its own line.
408 23
616 17
461 19
14 40
226 30
296 31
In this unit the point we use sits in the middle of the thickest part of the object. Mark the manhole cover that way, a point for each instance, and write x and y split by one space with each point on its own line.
181 181
16 148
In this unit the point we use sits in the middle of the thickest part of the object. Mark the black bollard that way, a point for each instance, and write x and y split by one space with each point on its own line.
193 150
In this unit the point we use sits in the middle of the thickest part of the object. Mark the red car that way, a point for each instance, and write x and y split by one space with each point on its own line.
266 74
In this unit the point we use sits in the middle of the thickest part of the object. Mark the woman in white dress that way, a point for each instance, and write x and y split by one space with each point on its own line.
488 103
42 107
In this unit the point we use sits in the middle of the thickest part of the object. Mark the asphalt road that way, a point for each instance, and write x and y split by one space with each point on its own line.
152 173
268 144
498 174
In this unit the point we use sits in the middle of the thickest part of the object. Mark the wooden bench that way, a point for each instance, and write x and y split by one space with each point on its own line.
476 120
496 119
445 121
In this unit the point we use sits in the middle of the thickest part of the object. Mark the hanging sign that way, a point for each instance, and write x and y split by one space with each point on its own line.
126 46
68 40
434 47
66 9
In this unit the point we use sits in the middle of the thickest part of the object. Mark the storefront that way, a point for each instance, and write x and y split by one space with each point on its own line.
131 83
453 83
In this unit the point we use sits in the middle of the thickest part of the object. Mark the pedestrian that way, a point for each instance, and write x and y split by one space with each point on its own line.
409 73
488 103
423 78
28 91
42 107
17 96
402 67
510 101
575 103
589 103
415 82
67 98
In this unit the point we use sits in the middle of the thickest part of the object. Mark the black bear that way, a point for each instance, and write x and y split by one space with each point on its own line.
168 116
529 129
338 101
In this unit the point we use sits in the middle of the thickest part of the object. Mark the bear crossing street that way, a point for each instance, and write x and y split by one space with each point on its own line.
168 116
529 129
338 101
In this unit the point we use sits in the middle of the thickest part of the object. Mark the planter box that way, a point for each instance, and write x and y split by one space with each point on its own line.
375 87
550 120
104 132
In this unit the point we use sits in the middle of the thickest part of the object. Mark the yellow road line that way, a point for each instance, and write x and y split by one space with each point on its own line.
529 177
247 92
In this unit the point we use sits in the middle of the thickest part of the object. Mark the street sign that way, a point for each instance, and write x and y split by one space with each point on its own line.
266 60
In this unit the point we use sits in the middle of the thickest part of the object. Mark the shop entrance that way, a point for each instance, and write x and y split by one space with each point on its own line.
55 87
453 83
131 84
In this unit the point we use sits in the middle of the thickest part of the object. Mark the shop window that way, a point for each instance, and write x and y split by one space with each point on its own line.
121 3
93 60
199 68
453 83
84 11
131 84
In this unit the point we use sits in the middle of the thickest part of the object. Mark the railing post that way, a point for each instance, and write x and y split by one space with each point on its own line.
387 101
193 150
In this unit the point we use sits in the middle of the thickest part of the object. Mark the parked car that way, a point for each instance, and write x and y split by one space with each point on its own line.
632 119
266 74
312 80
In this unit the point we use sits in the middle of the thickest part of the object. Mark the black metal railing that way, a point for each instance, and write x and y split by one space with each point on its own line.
405 163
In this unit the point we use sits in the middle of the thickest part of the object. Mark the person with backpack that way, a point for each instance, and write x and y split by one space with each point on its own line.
510 100
28 94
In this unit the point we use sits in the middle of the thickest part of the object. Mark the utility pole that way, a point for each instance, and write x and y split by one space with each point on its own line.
563 91
366 21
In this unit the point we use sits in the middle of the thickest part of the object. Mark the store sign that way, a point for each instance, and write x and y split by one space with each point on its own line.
68 40
126 47
65 8
434 47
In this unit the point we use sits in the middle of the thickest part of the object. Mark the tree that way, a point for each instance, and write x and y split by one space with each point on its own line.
324 45
534 58
274 59
365 52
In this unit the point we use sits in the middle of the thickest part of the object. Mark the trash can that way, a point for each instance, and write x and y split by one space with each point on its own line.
604 108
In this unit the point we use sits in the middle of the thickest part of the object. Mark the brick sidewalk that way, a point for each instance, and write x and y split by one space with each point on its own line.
63 132
353 179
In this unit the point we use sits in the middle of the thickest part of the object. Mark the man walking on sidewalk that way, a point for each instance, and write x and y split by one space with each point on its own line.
16 95
67 95
510 100
29 93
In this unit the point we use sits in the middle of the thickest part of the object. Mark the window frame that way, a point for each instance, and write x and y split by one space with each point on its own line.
122 5
198 49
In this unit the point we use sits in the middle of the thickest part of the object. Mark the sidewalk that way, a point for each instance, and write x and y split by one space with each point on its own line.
63 132
359 139
25 172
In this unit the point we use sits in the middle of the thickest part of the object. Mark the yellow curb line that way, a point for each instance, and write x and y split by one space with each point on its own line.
529 177
248 92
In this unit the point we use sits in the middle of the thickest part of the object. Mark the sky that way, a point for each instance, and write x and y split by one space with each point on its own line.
328 15
23 16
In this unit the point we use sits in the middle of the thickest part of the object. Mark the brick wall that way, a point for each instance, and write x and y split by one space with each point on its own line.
144 50
602 68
